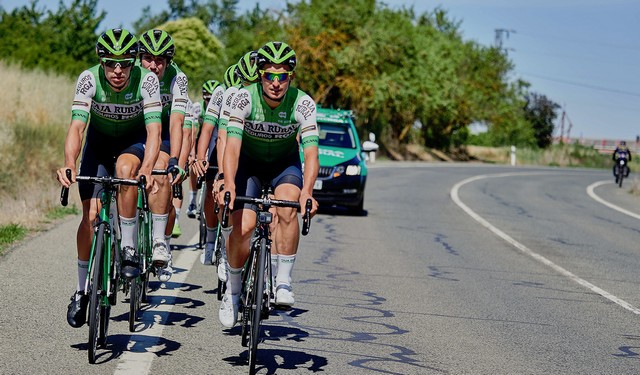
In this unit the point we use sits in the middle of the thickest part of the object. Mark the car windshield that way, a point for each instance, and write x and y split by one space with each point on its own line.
336 135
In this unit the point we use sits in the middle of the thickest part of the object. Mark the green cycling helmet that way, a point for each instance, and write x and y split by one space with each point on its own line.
157 43
209 87
276 53
230 76
247 67
117 42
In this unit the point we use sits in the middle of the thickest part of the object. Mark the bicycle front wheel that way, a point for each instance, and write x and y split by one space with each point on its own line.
96 287
135 301
256 309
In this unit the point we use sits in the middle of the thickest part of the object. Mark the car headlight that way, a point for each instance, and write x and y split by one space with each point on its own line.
353 170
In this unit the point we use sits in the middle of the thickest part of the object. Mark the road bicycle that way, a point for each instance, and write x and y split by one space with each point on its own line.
216 255
138 287
103 276
257 276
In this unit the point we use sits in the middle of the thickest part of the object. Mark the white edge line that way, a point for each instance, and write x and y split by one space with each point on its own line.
136 362
526 250
591 191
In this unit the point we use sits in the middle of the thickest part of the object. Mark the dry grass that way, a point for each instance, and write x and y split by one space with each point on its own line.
33 125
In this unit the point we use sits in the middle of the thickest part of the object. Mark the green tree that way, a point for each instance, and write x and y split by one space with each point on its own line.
198 52
541 113
62 41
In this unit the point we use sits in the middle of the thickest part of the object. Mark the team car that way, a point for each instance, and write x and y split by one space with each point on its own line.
343 171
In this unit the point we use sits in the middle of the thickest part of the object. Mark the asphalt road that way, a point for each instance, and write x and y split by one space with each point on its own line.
454 269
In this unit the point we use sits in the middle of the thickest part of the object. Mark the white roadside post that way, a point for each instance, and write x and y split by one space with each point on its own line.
513 155
370 147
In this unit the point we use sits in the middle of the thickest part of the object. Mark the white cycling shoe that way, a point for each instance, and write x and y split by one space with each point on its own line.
206 257
284 296
229 307
161 254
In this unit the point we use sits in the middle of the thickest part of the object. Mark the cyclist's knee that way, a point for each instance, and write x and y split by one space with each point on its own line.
127 167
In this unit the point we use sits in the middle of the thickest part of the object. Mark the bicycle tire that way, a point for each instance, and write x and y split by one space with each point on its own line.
146 253
202 239
135 297
105 313
95 286
247 297
256 309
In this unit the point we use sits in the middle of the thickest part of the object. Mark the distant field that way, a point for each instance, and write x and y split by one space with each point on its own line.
34 116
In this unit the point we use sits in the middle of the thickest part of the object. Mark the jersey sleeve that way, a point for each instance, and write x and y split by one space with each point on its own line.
305 115
212 113
226 107
240 110
188 116
180 92
150 92
85 91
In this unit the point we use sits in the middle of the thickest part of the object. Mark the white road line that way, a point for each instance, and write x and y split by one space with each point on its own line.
526 250
591 191
139 362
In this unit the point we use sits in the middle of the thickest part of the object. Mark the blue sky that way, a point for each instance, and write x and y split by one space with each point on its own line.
582 54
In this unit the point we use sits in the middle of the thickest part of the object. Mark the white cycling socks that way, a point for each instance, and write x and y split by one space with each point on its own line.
285 267
83 268
159 226
128 228
192 197
234 282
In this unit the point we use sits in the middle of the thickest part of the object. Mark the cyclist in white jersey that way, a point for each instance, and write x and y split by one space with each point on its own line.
262 147
118 104
209 152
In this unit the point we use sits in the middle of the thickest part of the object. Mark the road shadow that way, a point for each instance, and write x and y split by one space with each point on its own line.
116 345
280 359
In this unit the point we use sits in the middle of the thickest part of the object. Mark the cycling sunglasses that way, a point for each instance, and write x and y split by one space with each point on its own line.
114 63
272 76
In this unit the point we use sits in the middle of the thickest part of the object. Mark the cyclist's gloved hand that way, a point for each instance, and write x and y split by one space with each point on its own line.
176 172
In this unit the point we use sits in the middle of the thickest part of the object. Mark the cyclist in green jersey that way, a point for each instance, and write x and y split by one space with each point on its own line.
156 53
262 147
118 104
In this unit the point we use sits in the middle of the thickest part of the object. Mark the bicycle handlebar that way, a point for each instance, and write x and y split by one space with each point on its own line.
64 194
107 180
266 203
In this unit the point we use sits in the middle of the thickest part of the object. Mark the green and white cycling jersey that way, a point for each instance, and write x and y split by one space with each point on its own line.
225 109
188 116
117 114
196 115
271 134
212 115
174 92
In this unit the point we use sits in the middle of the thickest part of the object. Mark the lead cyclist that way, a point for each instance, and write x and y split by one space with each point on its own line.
115 86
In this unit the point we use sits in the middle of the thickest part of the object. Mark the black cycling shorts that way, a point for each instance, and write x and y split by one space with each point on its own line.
252 175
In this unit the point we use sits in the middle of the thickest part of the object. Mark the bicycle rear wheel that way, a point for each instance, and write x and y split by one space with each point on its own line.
96 288
255 313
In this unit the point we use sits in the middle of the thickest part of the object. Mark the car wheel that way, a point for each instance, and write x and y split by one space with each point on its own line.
358 209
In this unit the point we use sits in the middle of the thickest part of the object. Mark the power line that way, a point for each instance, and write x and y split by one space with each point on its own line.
584 85
583 41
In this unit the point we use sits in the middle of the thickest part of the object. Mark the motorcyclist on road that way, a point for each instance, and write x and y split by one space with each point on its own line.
621 152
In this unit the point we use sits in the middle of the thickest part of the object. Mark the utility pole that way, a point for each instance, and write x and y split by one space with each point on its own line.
501 35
